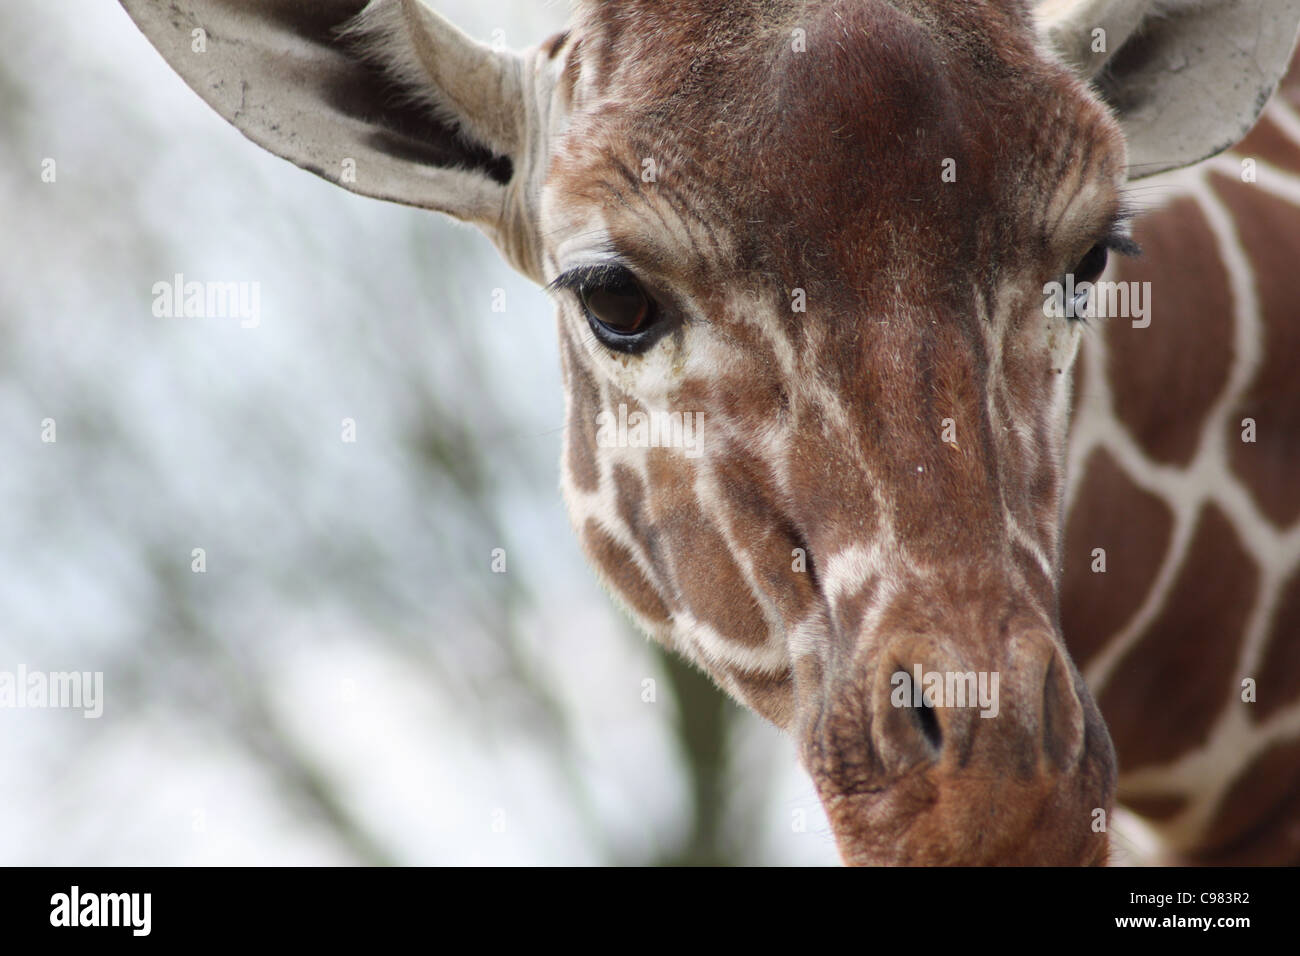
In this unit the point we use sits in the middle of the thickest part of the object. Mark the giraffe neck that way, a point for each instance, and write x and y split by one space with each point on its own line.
1181 591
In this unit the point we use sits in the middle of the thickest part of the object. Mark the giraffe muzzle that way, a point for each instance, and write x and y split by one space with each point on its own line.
959 754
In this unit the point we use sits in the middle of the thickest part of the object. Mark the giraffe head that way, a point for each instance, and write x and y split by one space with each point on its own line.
816 406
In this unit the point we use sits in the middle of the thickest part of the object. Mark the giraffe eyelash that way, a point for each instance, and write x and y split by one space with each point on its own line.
1124 244
1117 237
574 279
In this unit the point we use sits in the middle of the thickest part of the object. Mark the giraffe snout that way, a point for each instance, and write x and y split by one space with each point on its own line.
1009 710
937 750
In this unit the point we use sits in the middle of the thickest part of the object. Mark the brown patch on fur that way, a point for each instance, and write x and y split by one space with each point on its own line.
622 572
1270 466
633 509
1134 527
1163 389
584 406
850 609
1042 590
1258 822
1277 684
752 511
705 575
1269 144
1192 646
770 697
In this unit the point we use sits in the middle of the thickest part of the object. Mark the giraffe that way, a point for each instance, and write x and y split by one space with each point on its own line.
809 242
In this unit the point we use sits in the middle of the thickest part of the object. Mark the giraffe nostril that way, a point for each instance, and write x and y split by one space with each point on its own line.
908 729
1063 725
928 721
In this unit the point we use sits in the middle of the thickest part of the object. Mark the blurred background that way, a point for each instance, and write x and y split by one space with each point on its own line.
347 681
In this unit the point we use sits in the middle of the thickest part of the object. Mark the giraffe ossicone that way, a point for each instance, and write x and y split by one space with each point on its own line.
815 235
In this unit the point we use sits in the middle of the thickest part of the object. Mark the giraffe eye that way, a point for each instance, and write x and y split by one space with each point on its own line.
622 314
618 305
1087 272
1092 265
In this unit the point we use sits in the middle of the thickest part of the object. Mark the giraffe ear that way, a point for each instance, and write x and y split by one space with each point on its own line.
385 99
1186 78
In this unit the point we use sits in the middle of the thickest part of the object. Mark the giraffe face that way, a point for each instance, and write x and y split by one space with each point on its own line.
816 410
814 238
